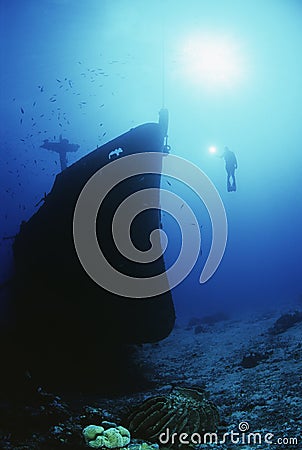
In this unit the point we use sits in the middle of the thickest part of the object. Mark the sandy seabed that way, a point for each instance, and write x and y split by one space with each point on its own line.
254 378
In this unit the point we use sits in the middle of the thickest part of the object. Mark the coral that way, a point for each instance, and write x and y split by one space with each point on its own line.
114 437
254 358
143 446
194 321
92 431
285 322
183 410
198 329
207 320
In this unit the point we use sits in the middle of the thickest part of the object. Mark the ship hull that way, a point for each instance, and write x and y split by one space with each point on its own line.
67 319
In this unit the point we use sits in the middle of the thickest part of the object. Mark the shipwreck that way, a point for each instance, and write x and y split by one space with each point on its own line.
69 326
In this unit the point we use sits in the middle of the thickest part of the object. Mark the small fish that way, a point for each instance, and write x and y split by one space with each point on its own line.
182 206
102 105
53 100
70 83
34 103
22 110
23 140
59 81
35 161
60 125
21 121
101 124
104 134
42 115
168 182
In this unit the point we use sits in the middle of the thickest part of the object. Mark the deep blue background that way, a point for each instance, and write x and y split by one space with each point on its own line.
110 53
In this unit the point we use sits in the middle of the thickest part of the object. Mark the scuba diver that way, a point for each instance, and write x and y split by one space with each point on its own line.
230 166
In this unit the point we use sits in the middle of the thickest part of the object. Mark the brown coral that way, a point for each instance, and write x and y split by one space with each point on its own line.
183 410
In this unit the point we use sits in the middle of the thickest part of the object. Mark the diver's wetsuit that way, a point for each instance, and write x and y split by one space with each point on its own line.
230 166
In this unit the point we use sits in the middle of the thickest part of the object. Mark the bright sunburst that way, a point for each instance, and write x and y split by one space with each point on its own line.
211 61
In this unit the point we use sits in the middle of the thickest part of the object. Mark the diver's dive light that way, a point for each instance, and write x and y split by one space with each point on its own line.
212 149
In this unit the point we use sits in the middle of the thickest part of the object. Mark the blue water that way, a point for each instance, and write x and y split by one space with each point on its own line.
92 70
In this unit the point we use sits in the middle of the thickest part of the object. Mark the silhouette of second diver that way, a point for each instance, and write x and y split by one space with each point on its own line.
230 166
